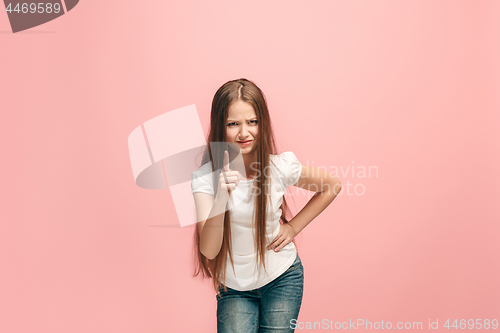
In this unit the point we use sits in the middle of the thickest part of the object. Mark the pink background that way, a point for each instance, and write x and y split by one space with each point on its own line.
410 88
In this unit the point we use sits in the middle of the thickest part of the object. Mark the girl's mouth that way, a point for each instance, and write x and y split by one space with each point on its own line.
245 143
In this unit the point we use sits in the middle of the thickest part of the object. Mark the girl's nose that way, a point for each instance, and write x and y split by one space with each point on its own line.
243 132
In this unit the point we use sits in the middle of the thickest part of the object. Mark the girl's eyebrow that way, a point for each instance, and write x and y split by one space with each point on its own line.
247 119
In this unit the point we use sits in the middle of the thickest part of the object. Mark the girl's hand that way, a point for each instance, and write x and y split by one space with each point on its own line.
285 236
228 180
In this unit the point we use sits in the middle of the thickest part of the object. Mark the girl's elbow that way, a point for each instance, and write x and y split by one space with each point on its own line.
210 255
335 185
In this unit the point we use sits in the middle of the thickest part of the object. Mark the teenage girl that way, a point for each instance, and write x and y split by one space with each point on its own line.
254 265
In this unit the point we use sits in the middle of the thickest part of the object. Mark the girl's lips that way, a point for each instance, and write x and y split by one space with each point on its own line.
244 143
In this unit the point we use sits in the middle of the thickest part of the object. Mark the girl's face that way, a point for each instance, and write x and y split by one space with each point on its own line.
241 126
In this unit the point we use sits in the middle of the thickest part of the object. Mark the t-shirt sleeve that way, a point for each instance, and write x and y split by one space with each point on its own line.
291 168
201 183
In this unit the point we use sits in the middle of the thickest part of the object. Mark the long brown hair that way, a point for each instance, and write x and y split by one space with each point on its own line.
232 91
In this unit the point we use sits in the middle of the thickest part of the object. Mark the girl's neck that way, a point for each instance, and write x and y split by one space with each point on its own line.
248 159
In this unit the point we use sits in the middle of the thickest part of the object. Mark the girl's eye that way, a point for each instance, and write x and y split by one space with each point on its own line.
231 124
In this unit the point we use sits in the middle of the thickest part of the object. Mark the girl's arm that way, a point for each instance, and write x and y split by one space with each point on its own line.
210 213
326 186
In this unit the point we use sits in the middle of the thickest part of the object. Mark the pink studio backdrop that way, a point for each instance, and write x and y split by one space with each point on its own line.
407 88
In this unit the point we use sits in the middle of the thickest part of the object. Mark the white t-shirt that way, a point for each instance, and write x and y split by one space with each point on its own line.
285 171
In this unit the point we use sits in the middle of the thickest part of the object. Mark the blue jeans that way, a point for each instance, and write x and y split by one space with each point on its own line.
266 309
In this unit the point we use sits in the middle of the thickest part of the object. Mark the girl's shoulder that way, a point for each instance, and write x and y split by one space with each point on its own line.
203 170
286 157
289 167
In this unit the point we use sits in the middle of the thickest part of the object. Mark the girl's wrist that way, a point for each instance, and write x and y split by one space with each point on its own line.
295 233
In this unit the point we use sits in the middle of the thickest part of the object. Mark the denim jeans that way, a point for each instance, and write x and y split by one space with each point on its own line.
266 309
